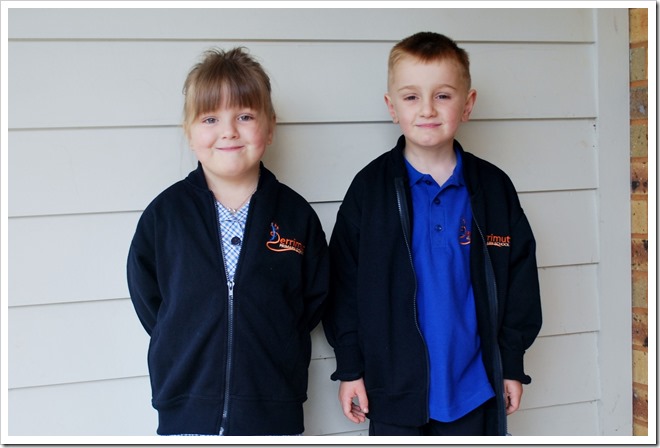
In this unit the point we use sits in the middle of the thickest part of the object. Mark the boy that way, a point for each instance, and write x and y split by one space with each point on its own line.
434 286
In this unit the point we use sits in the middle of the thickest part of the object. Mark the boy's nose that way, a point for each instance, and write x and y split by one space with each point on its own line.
427 109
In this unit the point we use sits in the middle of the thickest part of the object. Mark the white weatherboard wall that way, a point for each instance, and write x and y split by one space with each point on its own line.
94 111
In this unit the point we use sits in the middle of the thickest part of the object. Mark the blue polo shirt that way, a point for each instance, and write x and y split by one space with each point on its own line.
441 239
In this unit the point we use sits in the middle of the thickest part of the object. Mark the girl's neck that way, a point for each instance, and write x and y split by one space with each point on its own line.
234 193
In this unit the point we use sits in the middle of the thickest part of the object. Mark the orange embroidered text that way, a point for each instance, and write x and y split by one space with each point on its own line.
278 244
498 241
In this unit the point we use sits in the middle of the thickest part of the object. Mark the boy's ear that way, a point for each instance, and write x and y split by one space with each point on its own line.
469 104
390 108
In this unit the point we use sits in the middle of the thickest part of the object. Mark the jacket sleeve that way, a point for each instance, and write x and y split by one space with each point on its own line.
522 318
142 276
316 276
341 321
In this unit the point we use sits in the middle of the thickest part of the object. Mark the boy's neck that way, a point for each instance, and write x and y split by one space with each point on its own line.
439 163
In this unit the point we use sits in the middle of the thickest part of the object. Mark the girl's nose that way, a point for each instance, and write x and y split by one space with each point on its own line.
228 130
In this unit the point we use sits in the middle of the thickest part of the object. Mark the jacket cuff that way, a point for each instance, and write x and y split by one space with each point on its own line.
513 368
349 364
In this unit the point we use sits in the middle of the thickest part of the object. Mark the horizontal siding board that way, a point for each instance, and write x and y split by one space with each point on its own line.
563 224
75 342
119 169
139 83
119 407
569 298
69 258
553 25
564 369
578 419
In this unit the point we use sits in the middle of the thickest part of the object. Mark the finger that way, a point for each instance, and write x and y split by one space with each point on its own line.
347 408
358 414
513 402
364 401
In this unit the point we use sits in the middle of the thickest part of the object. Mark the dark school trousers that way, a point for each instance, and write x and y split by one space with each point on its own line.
471 424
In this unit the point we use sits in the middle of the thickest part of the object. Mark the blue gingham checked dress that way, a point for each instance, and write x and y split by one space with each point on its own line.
232 230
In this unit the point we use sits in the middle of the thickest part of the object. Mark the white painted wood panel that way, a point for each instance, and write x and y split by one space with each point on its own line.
563 370
119 169
579 419
75 342
554 25
69 258
93 170
562 223
119 407
569 298
126 83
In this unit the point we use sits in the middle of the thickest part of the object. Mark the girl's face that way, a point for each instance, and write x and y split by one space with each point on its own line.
230 141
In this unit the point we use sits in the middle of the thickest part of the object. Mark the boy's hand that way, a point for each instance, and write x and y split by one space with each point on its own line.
513 391
348 390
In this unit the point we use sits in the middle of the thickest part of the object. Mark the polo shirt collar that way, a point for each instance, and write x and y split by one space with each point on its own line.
456 178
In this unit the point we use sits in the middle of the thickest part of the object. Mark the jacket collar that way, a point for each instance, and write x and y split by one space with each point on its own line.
197 179
468 160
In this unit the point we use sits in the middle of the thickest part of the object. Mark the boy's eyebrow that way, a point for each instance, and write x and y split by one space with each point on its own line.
413 87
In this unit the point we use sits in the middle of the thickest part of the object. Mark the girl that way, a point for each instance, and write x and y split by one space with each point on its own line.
228 269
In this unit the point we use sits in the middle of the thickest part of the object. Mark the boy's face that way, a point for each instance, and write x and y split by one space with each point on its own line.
230 141
429 100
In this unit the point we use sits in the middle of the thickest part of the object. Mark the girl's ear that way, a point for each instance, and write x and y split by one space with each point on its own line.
390 108
271 130
469 104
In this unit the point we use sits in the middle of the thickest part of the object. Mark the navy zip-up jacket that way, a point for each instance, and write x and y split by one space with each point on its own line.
371 321
219 359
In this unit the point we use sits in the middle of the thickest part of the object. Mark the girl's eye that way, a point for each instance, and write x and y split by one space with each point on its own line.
245 117
209 120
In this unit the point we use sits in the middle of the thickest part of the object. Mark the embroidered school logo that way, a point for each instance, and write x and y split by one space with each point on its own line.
278 244
498 241
464 235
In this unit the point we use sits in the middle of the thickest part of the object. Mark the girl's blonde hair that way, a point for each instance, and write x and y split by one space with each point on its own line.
226 79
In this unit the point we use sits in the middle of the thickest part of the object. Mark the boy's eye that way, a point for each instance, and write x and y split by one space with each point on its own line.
409 97
442 96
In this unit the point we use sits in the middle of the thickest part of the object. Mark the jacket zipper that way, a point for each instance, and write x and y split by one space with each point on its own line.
498 374
230 326
405 224
230 350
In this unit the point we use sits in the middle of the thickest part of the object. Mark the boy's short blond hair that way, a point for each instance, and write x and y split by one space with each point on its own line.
226 79
427 46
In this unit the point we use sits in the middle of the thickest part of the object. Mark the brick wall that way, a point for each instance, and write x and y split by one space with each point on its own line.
639 203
